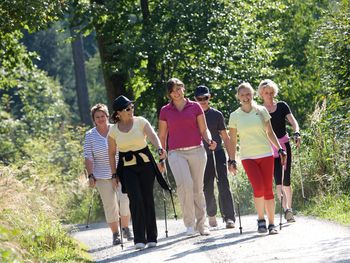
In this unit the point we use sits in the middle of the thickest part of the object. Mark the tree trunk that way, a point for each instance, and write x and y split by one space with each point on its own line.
114 82
80 80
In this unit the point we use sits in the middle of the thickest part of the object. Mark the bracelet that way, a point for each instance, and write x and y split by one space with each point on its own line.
114 176
160 151
296 134
232 162
91 176
281 151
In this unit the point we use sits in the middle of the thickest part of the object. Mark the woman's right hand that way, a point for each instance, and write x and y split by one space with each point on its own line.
115 182
92 182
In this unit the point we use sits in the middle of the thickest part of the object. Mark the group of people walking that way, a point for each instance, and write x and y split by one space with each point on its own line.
190 136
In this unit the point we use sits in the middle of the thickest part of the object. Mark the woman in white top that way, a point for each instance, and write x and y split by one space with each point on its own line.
97 166
136 168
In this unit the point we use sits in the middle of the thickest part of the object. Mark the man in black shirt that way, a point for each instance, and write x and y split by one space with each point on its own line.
216 125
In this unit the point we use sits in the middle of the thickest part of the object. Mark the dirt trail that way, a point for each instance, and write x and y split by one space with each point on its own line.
307 240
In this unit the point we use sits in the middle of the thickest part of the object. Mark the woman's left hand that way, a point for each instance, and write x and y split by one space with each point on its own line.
212 145
161 167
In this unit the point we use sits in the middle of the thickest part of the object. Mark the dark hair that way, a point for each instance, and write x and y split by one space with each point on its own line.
171 84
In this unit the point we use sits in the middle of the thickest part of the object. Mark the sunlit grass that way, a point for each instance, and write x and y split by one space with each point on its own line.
331 207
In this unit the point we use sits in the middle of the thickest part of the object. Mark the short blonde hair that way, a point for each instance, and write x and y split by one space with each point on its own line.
98 107
267 83
245 85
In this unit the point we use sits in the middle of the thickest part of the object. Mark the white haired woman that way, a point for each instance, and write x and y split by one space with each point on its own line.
280 112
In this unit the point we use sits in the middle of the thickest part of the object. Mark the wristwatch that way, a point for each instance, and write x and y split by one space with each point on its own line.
160 151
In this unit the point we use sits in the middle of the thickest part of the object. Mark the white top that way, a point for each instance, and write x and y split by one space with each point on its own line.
96 150
251 131
133 140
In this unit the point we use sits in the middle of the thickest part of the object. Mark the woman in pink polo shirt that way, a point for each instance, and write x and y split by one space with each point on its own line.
182 125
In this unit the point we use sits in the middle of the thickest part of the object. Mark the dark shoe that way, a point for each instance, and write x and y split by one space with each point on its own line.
288 215
127 234
230 223
116 239
272 230
262 226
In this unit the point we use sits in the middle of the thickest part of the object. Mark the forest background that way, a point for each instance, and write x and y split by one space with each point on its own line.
58 58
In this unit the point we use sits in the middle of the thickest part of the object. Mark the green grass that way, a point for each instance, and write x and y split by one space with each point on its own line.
331 207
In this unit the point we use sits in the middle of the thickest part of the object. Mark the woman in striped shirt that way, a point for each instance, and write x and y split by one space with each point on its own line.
100 175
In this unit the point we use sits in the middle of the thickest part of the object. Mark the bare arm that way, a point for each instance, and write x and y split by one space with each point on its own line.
163 132
152 136
228 144
295 125
112 151
272 137
233 147
293 122
204 131
89 165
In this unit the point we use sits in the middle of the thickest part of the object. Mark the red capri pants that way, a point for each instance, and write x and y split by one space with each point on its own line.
260 174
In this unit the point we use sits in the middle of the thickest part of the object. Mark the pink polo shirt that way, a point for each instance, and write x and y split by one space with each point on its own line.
183 129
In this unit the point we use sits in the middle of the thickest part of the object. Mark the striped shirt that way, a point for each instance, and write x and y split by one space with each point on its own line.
96 150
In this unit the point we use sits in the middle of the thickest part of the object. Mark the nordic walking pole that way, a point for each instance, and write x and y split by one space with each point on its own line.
121 232
238 208
281 210
237 201
90 208
217 182
165 215
120 221
170 191
301 176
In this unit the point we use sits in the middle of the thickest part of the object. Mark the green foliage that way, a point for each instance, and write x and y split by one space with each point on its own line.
331 207
33 231
33 15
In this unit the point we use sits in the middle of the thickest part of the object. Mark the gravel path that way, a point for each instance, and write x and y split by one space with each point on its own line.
307 240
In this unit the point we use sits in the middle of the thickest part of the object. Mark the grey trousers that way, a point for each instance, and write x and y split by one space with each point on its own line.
188 167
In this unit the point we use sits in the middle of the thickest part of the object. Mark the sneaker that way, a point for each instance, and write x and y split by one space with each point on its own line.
190 231
151 244
140 246
116 239
272 229
230 223
212 221
262 226
288 215
204 230
127 234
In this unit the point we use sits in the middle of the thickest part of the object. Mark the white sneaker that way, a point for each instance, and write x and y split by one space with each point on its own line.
204 231
140 246
190 231
151 244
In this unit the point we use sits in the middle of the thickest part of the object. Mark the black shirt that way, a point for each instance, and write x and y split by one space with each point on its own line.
216 123
278 119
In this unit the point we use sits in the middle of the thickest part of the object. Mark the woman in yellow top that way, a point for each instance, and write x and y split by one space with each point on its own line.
136 168
252 123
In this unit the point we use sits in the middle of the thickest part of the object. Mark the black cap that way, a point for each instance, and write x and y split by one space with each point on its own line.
121 103
201 91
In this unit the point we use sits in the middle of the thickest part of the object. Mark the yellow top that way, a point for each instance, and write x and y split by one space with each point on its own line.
250 126
133 140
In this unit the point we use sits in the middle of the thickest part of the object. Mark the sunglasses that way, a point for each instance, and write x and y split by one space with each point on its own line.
129 108
202 98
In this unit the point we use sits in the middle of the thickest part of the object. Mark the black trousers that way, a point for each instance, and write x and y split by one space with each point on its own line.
225 196
278 168
139 181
